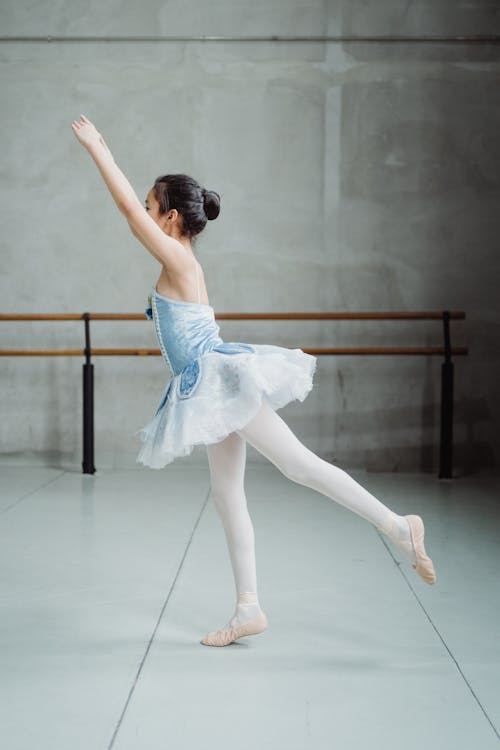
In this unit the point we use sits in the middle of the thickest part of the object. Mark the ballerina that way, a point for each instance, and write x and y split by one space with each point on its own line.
225 394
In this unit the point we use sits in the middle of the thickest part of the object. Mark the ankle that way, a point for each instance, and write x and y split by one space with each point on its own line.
396 528
248 597
247 607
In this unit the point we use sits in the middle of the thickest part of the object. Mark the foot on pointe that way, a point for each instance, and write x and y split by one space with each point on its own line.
424 565
227 635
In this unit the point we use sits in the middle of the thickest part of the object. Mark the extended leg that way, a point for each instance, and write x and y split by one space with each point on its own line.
271 436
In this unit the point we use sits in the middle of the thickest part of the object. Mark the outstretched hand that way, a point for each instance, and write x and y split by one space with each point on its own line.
87 133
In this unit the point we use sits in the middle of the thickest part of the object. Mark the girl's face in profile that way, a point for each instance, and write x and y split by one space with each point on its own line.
152 206
167 221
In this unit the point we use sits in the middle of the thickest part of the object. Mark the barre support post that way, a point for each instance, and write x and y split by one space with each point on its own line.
446 437
88 405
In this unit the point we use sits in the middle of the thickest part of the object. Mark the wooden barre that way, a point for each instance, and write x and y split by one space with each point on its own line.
369 350
459 315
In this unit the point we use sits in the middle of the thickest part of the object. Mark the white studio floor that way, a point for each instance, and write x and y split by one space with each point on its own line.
109 581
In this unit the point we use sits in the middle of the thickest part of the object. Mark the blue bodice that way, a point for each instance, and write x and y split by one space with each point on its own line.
186 331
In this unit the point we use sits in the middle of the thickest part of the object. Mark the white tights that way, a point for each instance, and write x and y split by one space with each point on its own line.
273 438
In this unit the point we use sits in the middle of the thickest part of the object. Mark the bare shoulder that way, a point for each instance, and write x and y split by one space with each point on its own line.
167 250
180 283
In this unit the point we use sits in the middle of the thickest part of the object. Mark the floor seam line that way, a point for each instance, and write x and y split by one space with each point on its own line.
155 630
408 583
29 494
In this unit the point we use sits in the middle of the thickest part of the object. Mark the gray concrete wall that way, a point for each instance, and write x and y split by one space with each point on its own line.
354 176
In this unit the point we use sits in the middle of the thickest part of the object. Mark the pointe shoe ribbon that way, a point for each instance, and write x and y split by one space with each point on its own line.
424 566
225 636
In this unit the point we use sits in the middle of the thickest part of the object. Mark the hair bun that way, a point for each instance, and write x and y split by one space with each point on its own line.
211 204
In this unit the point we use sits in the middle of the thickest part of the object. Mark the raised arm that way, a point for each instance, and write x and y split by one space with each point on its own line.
165 249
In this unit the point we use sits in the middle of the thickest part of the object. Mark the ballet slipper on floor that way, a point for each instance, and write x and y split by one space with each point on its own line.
424 566
224 637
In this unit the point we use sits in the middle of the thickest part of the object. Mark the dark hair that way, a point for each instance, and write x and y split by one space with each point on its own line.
195 204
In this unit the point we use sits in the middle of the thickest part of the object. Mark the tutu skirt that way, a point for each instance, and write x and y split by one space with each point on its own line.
218 393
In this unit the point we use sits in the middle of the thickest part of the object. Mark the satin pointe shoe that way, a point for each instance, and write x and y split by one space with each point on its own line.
424 565
224 637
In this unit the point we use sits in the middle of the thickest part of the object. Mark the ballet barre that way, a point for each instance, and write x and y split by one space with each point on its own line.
446 351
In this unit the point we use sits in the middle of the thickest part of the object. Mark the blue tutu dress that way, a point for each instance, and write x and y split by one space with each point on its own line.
214 387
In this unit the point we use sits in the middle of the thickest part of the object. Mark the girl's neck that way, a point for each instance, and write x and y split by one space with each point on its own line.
184 241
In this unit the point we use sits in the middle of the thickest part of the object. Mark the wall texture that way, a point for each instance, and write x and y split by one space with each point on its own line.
353 176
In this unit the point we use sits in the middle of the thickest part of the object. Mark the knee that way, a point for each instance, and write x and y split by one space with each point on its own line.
227 499
219 496
298 466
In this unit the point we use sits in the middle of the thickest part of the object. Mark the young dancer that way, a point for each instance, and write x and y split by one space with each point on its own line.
225 394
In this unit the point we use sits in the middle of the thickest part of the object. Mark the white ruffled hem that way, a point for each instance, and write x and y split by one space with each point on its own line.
229 391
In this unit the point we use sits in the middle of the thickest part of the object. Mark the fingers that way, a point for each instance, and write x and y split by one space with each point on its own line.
76 124
83 121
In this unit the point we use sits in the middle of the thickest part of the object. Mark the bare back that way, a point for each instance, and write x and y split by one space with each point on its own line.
187 285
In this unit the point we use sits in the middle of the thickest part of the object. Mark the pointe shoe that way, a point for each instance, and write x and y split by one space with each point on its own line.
424 566
224 637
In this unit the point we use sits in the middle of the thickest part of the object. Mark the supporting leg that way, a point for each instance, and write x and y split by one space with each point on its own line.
227 468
